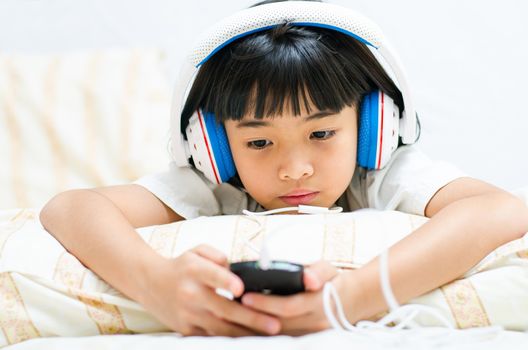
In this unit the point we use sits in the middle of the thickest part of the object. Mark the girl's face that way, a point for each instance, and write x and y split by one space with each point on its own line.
290 160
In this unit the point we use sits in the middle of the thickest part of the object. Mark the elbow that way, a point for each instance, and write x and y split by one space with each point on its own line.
58 209
523 217
515 211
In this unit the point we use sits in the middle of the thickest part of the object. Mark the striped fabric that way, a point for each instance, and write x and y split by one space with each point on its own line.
45 291
80 119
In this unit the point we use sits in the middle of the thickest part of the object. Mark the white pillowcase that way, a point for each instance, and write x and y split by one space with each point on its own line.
45 291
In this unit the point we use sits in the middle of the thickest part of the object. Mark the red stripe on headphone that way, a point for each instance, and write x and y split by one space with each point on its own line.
381 130
207 147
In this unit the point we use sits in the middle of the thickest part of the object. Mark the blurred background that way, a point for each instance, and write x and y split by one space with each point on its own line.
85 85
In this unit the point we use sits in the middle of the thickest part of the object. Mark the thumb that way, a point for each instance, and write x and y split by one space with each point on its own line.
317 274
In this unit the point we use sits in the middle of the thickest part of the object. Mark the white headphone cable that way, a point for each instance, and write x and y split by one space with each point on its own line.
406 330
265 260
301 209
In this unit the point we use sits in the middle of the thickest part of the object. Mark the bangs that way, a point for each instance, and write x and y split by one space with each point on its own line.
286 69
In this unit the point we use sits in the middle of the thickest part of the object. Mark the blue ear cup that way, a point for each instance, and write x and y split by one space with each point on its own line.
220 150
368 131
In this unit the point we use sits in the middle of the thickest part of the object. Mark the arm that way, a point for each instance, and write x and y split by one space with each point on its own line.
469 219
97 226
92 223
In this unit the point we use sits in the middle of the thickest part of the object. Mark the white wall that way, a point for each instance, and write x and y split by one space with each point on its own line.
465 60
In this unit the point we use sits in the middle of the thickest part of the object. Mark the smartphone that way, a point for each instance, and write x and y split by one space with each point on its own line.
280 278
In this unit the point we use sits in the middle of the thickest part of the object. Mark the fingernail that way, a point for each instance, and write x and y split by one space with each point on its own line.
247 300
272 327
235 287
312 280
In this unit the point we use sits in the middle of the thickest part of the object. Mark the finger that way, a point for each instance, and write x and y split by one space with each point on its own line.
280 306
311 280
215 326
247 317
240 315
317 274
211 253
215 276
304 324
313 320
198 331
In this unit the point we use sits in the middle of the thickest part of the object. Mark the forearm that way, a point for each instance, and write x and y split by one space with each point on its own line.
93 229
441 250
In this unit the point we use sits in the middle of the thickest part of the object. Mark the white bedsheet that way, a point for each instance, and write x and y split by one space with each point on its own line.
324 340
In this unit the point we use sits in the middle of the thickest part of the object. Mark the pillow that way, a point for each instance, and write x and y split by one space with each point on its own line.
45 291
80 119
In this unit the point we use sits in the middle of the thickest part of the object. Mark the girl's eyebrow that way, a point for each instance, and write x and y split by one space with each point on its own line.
257 123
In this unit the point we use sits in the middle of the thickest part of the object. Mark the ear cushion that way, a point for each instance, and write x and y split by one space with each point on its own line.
219 147
368 133
208 146
379 134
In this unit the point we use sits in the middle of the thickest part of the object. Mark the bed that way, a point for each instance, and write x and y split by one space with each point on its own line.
78 120
327 339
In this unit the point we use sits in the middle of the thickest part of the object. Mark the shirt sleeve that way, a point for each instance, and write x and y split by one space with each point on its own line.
408 182
183 190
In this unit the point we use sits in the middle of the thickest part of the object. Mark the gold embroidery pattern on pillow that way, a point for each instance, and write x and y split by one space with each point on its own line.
523 254
245 231
339 241
69 271
14 319
465 304
163 238
108 319
517 247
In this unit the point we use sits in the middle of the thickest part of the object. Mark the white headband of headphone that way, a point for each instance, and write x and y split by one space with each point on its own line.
297 13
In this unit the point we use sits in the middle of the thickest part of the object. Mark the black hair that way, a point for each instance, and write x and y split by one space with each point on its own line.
287 66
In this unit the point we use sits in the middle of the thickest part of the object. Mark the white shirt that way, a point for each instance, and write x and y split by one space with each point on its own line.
406 184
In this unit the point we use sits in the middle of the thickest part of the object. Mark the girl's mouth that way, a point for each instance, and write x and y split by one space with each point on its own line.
299 199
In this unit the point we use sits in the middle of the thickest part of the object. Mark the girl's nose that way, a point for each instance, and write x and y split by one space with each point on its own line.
295 166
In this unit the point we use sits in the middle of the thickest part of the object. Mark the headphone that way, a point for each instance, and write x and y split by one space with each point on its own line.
381 124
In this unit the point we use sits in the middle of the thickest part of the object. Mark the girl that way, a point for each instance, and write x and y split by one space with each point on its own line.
292 100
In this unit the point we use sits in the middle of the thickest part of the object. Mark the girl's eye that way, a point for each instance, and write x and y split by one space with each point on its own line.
258 144
323 135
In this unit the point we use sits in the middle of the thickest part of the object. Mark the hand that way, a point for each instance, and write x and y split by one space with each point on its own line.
301 313
181 294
